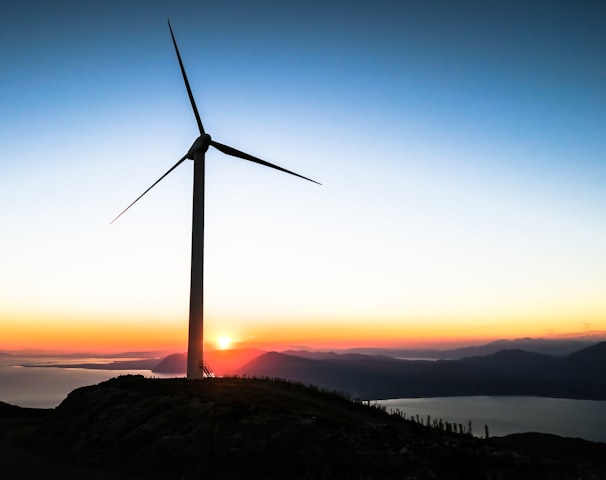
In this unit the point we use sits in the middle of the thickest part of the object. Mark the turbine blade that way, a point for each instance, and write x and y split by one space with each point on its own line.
191 95
237 153
155 183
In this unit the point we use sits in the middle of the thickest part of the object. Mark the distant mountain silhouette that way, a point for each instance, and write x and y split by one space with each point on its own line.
504 372
173 363
559 347
314 355
517 363
507 372
556 348
594 356
221 362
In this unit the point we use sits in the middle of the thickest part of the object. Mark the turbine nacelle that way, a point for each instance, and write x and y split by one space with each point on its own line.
199 146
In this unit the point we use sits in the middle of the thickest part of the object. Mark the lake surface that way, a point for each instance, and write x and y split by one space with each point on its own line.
46 387
504 415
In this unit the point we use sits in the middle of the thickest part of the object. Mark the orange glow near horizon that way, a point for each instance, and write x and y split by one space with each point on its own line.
120 335
91 335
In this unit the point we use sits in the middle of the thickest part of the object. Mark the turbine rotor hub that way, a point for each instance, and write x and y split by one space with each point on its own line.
199 146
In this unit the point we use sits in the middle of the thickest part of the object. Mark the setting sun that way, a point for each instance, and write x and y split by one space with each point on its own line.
224 342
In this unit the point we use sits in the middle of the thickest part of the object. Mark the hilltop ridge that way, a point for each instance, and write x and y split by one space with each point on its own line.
236 428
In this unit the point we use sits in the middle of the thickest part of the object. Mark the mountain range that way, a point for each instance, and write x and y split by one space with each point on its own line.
557 347
505 372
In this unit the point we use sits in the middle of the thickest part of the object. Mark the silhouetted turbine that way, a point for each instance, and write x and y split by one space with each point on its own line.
197 154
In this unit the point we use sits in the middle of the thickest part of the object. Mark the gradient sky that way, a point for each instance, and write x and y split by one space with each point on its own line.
461 146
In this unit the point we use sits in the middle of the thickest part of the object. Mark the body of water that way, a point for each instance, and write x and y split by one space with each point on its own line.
46 387
504 415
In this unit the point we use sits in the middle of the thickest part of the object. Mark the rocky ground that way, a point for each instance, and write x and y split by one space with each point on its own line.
226 428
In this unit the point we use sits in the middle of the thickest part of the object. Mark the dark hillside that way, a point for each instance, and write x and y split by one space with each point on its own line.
13 412
588 367
591 357
229 428
514 358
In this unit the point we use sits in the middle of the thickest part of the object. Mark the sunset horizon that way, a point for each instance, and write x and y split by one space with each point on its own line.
367 241
60 345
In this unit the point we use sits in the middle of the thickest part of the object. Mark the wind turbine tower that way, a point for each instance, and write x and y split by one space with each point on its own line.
197 153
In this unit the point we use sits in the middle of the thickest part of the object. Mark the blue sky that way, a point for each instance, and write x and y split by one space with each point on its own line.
460 146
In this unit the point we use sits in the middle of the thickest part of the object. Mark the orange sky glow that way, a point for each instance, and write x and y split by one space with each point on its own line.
98 335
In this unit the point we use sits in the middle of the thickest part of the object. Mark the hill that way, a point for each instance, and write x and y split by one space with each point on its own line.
221 362
591 357
230 428
228 362
507 372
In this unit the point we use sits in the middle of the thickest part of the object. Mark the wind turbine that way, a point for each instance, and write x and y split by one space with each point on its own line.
197 153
